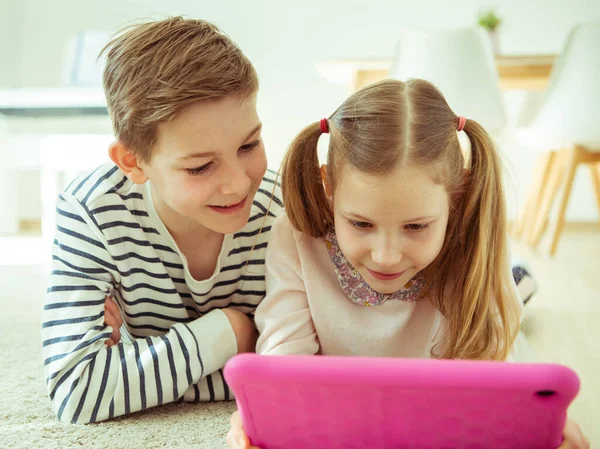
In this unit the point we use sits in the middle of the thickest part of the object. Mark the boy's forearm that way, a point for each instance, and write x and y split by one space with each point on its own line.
209 389
97 383
88 381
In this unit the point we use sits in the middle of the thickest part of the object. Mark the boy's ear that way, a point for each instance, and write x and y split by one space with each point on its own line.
326 183
127 162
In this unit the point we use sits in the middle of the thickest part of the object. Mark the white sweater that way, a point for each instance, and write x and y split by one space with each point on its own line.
306 312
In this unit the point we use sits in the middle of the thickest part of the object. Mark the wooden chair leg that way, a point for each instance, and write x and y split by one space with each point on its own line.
571 169
540 178
595 172
547 197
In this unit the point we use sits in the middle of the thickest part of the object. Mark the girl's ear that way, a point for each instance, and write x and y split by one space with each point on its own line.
326 183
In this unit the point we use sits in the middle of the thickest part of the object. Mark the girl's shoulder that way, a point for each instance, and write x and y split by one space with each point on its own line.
283 228
285 238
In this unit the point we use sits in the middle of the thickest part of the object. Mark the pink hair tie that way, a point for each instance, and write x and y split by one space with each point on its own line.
324 126
461 123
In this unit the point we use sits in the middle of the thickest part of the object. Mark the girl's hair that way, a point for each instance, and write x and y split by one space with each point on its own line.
393 124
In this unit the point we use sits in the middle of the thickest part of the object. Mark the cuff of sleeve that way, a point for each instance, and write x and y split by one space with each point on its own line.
216 340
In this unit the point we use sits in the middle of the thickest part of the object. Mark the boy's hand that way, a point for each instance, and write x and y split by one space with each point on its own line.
236 437
573 437
112 318
244 329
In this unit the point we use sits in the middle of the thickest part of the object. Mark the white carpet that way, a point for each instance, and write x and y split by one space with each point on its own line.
26 419
561 325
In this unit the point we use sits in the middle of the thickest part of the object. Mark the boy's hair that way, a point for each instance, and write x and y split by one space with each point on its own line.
154 70
393 124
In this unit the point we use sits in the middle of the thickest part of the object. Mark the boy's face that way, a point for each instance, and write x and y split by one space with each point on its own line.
207 164
391 227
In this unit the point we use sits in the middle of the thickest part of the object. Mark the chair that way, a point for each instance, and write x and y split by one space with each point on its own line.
68 155
460 62
83 63
567 133
8 217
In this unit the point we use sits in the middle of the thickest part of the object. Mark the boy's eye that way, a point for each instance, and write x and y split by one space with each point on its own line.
359 224
416 227
198 170
250 146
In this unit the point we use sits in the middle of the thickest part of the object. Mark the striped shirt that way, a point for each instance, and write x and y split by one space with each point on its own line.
175 339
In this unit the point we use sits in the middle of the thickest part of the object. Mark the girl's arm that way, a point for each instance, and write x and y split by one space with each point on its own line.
283 318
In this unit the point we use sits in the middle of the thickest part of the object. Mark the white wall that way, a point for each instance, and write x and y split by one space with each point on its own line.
10 61
285 40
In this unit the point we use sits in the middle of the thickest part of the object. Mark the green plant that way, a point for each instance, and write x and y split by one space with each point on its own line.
489 20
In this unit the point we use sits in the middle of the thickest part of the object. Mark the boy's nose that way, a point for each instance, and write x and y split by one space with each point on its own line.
236 181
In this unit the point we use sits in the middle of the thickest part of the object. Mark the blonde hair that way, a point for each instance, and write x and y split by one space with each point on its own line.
392 124
154 70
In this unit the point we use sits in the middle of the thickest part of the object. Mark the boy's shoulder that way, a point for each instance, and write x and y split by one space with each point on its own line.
101 186
268 201
266 207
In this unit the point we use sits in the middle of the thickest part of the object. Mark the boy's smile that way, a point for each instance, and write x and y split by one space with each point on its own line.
206 166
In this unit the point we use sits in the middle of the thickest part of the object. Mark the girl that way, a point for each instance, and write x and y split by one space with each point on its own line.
398 246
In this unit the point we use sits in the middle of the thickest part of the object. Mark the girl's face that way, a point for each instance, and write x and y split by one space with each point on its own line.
389 227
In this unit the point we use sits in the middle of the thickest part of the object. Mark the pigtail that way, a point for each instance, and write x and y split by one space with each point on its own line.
306 204
483 312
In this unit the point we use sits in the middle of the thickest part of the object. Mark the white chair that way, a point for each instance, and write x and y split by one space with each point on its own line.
8 215
83 63
460 62
63 157
19 154
567 132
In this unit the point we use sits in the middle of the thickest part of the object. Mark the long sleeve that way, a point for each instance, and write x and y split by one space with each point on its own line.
520 351
283 318
89 382
306 312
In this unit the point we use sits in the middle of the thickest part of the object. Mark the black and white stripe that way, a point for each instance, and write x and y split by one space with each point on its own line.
172 347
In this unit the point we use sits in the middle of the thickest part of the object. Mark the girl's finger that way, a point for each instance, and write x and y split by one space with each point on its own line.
236 435
234 441
573 437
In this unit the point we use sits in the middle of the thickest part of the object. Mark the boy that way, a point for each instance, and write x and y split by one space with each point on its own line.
174 230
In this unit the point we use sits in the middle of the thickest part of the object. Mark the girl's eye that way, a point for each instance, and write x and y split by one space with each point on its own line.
359 224
249 146
198 170
416 227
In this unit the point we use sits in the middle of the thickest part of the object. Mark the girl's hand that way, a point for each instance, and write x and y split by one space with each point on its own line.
573 437
236 437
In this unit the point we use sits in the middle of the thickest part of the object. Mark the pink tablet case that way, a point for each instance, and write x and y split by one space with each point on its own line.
349 402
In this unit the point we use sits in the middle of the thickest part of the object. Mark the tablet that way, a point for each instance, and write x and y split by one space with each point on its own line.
353 402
